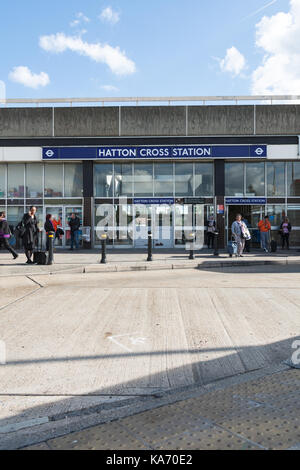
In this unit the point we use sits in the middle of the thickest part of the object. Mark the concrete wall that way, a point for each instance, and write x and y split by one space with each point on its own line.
26 122
221 120
86 122
278 119
107 121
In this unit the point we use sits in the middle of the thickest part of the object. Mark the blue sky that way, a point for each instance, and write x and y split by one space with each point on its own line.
149 48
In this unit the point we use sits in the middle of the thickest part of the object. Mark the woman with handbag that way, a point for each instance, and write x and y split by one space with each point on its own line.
240 233
29 222
5 235
285 230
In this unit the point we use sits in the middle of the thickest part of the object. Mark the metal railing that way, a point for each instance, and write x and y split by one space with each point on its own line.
265 99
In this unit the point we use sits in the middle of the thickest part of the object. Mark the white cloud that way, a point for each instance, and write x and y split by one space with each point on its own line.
109 15
279 38
116 59
23 75
81 18
234 62
110 88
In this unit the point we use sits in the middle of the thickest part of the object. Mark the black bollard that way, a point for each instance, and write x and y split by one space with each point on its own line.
103 243
149 246
216 250
50 236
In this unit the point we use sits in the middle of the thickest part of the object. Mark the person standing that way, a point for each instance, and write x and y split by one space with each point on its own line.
49 227
240 233
74 224
30 225
5 235
210 234
264 228
285 230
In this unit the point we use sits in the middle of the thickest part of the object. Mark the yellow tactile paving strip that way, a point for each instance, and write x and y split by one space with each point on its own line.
259 414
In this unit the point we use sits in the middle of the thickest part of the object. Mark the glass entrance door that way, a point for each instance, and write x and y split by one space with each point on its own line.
60 219
251 216
163 230
68 211
157 219
57 220
142 225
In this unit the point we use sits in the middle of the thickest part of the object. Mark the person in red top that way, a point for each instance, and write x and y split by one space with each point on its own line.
264 228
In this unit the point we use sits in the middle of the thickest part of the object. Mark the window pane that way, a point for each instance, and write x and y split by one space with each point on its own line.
234 179
184 179
293 214
14 215
73 180
293 179
2 181
123 180
163 179
34 180
103 177
15 182
276 179
204 179
143 179
276 215
255 179
53 180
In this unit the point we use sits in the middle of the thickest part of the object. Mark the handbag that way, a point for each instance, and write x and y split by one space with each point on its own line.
20 230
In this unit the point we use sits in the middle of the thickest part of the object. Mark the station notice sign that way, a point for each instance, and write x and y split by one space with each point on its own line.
260 201
155 152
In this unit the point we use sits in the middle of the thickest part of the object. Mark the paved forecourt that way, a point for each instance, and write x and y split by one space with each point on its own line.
85 340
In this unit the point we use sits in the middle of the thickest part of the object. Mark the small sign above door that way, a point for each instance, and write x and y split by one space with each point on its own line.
245 200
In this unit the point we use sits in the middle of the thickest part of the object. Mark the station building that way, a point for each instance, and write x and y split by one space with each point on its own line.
149 163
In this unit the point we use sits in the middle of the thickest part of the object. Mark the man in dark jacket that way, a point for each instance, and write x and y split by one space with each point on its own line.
5 235
74 224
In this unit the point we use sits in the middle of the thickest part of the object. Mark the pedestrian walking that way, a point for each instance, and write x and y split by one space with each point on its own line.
210 234
74 224
240 233
5 235
30 225
49 227
285 230
265 229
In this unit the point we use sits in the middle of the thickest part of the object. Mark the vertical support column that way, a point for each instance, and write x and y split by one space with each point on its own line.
220 200
88 200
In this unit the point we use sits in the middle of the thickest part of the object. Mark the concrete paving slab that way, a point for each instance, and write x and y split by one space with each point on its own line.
154 330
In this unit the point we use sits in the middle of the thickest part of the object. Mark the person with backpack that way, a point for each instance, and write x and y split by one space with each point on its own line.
265 229
30 233
285 230
5 235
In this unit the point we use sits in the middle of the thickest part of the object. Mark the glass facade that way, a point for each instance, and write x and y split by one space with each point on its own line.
58 188
157 179
293 178
103 180
51 188
266 179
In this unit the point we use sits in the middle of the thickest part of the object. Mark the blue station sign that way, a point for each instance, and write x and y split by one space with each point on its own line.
155 152
261 201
